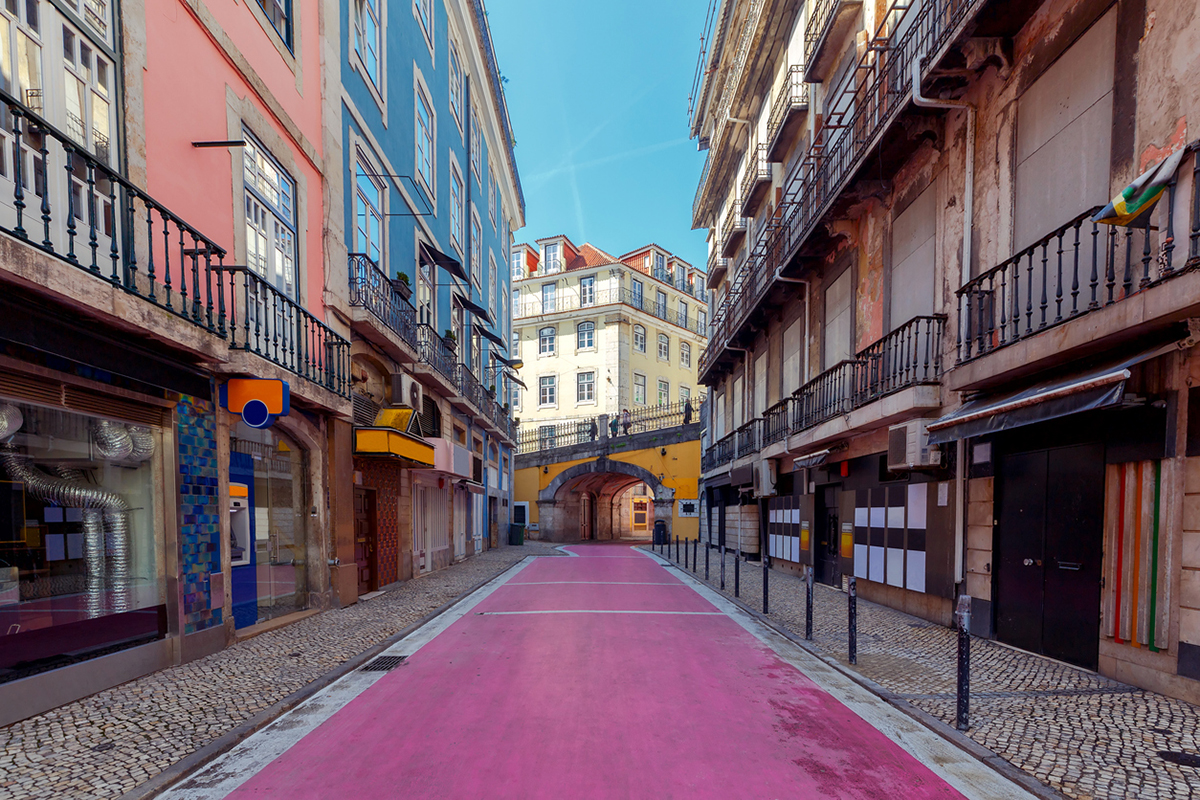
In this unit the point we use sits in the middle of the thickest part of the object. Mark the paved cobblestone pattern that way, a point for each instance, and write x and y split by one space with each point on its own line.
1075 731
111 742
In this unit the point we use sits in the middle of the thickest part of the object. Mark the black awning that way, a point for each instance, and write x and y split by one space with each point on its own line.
1052 398
811 459
513 377
485 333
431 255
475 308
508 362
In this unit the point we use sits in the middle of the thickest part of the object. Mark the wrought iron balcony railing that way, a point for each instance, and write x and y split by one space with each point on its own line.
470 389
909 355
734 229
748 438
436 352
534 307
1076 268
266 322
374 291
789 102
719 454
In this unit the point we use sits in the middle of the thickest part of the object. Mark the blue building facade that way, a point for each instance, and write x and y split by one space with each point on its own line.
431 197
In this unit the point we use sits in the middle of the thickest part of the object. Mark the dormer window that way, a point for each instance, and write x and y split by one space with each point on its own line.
553 257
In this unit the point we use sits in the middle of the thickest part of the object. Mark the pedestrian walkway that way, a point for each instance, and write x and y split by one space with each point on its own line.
117 740
1080 733
603 675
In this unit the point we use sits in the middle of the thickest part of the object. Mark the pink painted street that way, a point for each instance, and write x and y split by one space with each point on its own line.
601 675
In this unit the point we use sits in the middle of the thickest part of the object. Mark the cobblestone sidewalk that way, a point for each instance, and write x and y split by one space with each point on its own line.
1075 731
114 741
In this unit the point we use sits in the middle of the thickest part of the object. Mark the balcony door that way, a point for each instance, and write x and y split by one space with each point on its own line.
912 286
839 317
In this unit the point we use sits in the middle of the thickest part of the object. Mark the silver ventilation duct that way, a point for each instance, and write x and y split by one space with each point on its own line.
11 420
143 442
112 440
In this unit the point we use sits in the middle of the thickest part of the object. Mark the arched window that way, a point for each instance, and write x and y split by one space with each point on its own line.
586 335
639 338
664 347
685 354
546 337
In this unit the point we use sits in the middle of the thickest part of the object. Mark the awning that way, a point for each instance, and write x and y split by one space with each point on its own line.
508 362
472 487
431 255
1100 387
512 376
475 308
811 460
393 444
485 333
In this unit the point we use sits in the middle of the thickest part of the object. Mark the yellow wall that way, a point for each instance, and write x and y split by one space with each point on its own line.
680 469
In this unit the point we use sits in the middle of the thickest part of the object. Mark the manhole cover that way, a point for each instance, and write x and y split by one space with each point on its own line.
384 664
1182 759
100 748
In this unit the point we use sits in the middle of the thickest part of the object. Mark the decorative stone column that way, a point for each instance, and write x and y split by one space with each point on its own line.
664 510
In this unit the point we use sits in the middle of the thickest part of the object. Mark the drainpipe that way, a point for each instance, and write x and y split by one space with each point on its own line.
969 201
807 316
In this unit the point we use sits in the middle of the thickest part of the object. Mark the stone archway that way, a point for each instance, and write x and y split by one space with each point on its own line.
603 479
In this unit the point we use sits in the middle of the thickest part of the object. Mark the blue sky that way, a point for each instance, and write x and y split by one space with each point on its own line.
598 97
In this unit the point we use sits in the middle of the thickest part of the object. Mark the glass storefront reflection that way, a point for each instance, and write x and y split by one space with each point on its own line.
268 508
81 568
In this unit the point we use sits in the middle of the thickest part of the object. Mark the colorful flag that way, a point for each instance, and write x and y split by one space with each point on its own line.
1131 208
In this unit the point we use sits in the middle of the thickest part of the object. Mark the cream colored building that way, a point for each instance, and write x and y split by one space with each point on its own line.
598 334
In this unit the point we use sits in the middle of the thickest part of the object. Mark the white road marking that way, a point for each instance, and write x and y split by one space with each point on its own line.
965 773
593 583
254 753
594 611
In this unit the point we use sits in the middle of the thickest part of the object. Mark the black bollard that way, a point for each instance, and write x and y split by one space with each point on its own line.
963 616
766 576
695 554
737 575
722 567
853 600
685 553
676 549
808 605
707 547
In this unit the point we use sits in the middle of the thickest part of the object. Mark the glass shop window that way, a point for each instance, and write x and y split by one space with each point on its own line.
81 561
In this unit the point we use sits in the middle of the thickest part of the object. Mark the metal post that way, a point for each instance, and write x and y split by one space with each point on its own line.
853 600
808 605
676 549
695 554
685 553
722 567
737 575
707 547
963 617
766 576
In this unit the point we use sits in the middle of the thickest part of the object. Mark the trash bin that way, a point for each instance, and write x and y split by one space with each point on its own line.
660 532
516 534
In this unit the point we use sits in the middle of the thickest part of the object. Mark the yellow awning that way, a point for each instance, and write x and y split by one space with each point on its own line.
391 443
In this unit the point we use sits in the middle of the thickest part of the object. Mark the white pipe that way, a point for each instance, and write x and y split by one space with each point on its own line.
807 317
960 511
969 201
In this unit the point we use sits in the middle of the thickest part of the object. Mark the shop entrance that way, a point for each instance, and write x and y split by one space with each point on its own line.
1049 547
641 515
365 544
826 558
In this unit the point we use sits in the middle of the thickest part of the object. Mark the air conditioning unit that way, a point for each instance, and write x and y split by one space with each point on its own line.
407 391
766 476
908 447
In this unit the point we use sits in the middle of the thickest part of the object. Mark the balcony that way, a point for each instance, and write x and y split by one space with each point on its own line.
534 307
719 454
845 395
788 111
469 394
756 183
734 230
828 24
438 358
717 267
379 312
1127 282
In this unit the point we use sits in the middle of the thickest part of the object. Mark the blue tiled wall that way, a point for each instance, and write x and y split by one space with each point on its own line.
199 512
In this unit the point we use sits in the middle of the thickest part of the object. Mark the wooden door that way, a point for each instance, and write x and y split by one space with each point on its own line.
365 545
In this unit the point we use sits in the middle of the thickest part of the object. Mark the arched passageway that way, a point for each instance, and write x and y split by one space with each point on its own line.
596 501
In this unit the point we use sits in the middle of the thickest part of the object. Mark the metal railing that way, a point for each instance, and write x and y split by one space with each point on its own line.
735 223
69 203
819 21
758 170
534 436
374 291
792 96
470 389
909 355
826 396
533 307
266 322
436 352
777 421
748 438
719 454
1077 268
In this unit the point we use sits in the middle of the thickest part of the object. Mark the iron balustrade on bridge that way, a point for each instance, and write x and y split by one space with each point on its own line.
266 322
533 437
374 291
69 203
1077 268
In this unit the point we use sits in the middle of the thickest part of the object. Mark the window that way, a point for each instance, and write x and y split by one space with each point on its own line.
516 398
476 244
516 302
639 338
553 261
702 322
547 298
368 232
586 336
685 394
547 440
456 85
516 342
659 264
683 311
685 354
492 278
270 218
456 207
547 390
457 325
587 291
476 147
425 295
366 37
664 392
546 341
660 304
85 74
425 121
639 389
518 265
585 390
425 15
492 191
636 286
279 12
664 347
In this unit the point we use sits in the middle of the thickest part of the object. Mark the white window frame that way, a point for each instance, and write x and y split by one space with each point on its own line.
365 170
639 330
685 393
664 391
476 246
517 263
458 193
591 333
553 263
664 347
637 386
547 344
552 386
284 214
423 10
492 192
587 291
685 354
476 146
550 308
589 384
425 140
456 85
372 11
